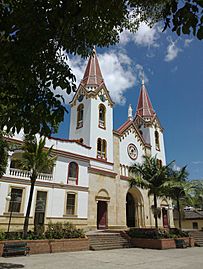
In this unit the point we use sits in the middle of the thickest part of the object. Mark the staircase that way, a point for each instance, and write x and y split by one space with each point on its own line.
102 241
198 236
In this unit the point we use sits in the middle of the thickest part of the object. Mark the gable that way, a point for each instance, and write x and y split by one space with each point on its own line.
101 92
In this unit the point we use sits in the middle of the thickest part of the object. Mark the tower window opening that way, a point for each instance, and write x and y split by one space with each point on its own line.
80 114
157 140
102 116
101 148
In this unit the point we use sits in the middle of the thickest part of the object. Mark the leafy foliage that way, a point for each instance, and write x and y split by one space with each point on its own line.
185 17
156 233
56 230
3 154
151 176
60 230
178 188
35 158
35 37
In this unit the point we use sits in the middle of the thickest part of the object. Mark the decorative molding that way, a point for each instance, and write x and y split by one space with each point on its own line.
124 178
44 184
67 154
101 172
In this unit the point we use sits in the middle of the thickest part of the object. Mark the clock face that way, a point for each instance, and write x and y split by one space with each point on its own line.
132 151
80 98
102 98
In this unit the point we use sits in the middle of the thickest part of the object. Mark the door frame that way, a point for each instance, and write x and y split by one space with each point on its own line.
106 212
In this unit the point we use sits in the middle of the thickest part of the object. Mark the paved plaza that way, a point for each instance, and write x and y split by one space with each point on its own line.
190 258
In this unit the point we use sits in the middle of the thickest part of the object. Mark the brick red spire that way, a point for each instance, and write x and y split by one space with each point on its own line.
93 76
144 107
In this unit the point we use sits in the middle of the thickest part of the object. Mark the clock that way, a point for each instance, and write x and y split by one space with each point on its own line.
80 98
102 98
132 151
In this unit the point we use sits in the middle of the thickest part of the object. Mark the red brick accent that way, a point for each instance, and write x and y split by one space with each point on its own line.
159 243
52 246
153 243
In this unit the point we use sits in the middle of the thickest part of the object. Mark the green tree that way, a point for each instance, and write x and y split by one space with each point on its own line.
3 154
178 188
35 37
150 175
196 194
36 160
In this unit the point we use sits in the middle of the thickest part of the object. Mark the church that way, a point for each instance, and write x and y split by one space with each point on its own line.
89 183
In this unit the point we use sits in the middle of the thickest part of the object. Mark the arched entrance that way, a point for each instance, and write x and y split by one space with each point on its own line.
164 211
102 199
130 210
134 208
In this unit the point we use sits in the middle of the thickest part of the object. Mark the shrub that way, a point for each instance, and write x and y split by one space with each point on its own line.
56 230
2 235
156 233
67 230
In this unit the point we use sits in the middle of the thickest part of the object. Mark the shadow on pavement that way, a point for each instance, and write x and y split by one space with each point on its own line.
10 265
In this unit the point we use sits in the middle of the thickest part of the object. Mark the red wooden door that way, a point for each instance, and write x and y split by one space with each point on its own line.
101 215
165 218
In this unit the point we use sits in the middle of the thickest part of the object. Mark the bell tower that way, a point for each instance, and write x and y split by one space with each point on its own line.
149 125
91 119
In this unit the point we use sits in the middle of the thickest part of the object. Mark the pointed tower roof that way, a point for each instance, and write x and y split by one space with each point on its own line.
93 76
144 107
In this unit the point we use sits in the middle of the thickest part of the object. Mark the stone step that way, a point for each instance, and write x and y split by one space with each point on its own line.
198 237
109 246
107 241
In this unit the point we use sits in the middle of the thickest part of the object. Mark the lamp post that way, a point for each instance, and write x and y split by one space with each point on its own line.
10 198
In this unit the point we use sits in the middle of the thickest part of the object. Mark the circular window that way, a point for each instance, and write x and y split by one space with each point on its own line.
132 151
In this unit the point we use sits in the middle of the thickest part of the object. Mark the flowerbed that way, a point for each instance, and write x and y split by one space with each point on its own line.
158 238
58 237
52 246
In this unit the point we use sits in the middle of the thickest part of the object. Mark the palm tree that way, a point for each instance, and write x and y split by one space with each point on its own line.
36 160
150 175
178 188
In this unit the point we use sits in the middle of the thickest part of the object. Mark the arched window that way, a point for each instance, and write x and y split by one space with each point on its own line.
73 173
80 112
101 148
157 140
104 149
102 116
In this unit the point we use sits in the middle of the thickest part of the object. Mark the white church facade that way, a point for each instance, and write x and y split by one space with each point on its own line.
89 184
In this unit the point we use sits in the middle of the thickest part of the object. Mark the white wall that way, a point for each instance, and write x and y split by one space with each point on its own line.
124 157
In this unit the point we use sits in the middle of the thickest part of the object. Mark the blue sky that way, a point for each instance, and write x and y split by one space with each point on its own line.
173 69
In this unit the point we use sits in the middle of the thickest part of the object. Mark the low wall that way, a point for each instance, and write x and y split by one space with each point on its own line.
159 243
52 246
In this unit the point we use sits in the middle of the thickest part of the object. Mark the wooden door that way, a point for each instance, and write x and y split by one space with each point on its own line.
102 215
165 218
130 211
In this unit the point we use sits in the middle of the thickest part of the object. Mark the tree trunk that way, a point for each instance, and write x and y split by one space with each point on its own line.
179 214
27 216
155 211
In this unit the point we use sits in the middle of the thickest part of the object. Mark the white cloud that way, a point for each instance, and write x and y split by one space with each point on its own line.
197 162
187 42
118 70
145 36
172 51
176 167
